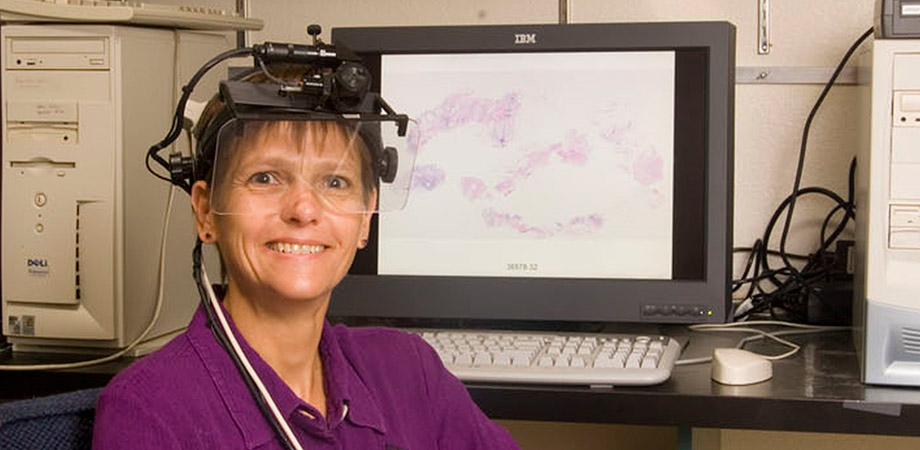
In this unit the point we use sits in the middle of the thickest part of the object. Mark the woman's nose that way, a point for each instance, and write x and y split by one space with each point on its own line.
302 205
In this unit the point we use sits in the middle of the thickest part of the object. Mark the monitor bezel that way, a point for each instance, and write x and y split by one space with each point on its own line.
554 299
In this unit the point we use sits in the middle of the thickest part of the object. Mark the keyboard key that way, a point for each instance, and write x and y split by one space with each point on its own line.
604 363
529 344
520 361
528 354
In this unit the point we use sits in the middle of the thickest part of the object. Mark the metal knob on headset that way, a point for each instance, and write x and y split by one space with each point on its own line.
389 161
314 30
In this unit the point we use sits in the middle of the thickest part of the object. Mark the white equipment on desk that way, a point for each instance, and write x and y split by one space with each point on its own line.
887 271
81 216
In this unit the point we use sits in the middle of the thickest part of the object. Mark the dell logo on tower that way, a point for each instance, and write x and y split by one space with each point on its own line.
38 267
525 38
37 263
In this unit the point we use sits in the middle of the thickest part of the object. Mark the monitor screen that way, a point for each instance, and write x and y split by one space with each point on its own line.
562 173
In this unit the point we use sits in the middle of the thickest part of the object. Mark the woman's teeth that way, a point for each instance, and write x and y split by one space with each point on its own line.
299 249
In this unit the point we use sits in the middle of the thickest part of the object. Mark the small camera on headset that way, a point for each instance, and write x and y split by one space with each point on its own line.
340 81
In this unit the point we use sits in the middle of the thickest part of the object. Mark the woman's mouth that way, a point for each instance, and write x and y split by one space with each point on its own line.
296 249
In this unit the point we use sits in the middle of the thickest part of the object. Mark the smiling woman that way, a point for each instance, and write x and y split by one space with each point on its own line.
287 207
288 200
288 213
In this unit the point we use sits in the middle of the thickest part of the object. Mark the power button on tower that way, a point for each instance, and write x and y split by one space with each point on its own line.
40 199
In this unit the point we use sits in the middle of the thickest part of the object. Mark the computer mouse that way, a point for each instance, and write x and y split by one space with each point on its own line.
734 366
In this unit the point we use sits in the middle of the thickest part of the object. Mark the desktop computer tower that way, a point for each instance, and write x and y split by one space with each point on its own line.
887 199
81 218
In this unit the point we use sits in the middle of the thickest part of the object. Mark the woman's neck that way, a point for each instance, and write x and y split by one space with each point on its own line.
286 334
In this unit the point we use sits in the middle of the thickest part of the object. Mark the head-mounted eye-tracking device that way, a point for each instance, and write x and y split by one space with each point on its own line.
272 142
331 86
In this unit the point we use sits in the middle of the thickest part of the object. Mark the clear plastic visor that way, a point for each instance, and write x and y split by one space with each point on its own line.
267 166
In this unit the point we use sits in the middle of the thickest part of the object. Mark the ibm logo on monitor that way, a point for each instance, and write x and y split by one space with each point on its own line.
525 38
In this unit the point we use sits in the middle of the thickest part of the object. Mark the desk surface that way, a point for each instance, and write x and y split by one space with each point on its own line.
816 390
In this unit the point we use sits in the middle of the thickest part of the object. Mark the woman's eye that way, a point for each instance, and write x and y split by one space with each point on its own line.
263 178
337 182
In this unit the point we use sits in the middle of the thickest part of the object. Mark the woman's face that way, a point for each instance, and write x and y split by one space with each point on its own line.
279 219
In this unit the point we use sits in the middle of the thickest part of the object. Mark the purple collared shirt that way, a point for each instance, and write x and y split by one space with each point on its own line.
385 389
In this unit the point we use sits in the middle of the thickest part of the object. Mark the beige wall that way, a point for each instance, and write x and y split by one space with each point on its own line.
769 121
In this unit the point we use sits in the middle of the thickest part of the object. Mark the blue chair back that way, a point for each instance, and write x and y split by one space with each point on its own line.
54 422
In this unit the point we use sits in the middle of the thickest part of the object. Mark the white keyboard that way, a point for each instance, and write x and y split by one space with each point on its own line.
555 358
105 11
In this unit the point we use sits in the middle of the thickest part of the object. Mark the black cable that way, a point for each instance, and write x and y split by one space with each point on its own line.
850 206
801 162
754 280
815 269
224 342
179 115
795 281
747 266
849 214
770 252
839 228
769 230
755 286
752 262
851 182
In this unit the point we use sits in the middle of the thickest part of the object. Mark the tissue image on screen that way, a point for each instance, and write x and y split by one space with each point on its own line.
529 164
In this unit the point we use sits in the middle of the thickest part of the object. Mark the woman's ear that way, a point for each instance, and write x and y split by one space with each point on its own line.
366 220
201 205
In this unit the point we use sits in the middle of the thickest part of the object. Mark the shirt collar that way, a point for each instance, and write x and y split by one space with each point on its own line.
340 365
343 385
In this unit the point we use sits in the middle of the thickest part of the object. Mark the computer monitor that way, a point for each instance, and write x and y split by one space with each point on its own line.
564 173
